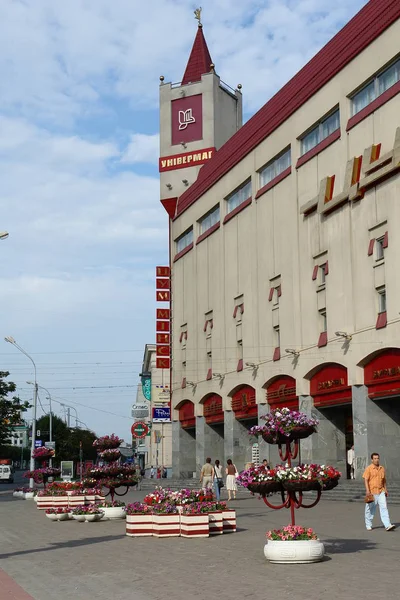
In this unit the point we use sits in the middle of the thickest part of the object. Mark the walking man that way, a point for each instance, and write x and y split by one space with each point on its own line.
351 460
375 484
207 475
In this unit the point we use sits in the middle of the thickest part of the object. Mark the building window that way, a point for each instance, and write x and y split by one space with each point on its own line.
241 195
323 320
184 240
209 220
380 252
320 131
381 300
275 167
375 87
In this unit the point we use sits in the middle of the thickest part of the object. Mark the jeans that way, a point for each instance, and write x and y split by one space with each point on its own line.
380 500
216 489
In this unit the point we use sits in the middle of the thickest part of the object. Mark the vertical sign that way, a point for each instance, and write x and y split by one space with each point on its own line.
163 315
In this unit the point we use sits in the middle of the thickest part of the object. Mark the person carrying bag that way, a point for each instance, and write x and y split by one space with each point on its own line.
218 481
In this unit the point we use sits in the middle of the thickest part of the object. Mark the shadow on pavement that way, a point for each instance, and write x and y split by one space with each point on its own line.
69 544
348 546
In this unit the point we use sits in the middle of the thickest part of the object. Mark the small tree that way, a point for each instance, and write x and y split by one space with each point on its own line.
10 408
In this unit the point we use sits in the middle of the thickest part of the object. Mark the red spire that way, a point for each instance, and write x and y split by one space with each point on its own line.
199 60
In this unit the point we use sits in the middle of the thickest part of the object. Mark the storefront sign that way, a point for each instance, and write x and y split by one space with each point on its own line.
382 374
282 392
187 119
140 411
163 323
186 159
139 429
329 386
213 411
161 415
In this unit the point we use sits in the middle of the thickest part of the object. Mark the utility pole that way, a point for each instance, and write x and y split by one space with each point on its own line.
68 417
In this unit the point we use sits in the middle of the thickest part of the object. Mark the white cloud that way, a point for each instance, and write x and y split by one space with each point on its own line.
142 149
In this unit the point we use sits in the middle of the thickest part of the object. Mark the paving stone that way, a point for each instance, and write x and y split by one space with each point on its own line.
82 561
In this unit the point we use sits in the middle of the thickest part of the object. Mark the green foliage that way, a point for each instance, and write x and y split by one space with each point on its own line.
11 408
67 440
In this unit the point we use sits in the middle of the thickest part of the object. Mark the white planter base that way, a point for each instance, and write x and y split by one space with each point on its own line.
114 512
286 552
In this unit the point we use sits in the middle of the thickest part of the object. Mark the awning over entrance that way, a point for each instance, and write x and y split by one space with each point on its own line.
282 392
213 411
382 374
329 386
244 403
186 415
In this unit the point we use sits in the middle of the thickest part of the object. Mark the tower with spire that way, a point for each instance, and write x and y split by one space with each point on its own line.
197 116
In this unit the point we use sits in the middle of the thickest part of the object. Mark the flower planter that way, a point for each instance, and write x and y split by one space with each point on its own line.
29 495
195 526
264 487
292 551
297 433
229 521
166 525
139 525
114 512
92 518
62 517
76 500
301 485
216 522
79 518
35 498
330 485
44 502
60 501
52 517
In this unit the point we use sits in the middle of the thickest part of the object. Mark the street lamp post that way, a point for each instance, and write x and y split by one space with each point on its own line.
11 340
41 387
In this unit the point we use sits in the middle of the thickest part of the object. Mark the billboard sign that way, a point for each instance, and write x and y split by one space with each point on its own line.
140 411
161 415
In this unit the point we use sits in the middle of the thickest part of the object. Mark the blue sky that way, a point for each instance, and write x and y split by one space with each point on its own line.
79 191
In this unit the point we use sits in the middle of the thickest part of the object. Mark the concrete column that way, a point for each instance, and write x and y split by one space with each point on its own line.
183 452
376 429
328 445
209 442
238 442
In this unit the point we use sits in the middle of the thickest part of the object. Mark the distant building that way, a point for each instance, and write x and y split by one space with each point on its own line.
156 448
284 248
20 436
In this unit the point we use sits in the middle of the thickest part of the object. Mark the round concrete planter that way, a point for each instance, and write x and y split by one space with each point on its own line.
301 551
92 518
35 498
52 517
114 512
79 518
63 517
29 495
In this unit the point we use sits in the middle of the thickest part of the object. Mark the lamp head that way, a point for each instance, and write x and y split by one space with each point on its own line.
9 339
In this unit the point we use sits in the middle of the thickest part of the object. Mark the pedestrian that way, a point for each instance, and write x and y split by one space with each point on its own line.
265 463
218 481
164 473
138 477
159 473
152 472
351 461
207 475
231 475
376 493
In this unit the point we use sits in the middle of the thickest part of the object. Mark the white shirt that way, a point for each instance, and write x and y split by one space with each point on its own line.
218 471
350 457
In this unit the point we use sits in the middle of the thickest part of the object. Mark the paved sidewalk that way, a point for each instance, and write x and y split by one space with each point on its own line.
82 561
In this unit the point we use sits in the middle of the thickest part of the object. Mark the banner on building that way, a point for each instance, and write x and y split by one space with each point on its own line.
146 386
163 316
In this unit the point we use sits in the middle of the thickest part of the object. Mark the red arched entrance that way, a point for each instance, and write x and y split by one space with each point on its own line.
282 392
244 403
332 396
213 410
186 415
382 374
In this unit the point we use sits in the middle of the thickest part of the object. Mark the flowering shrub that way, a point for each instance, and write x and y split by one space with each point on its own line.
114 504
177 498
107 441
109 455
313 472
291 533
164 509
57 511
283 422
199 508
42 475
90 509
259 474
43 453
138 508
27 490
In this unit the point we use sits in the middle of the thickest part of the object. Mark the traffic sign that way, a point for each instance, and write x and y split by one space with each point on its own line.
38 443
139 429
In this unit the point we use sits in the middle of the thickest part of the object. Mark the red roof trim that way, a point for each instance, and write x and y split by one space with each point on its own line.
237 210
362 30
199 60
274 182
318 148
205 235
370 108
183 252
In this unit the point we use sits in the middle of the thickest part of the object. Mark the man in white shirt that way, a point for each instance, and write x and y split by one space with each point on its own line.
351 461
